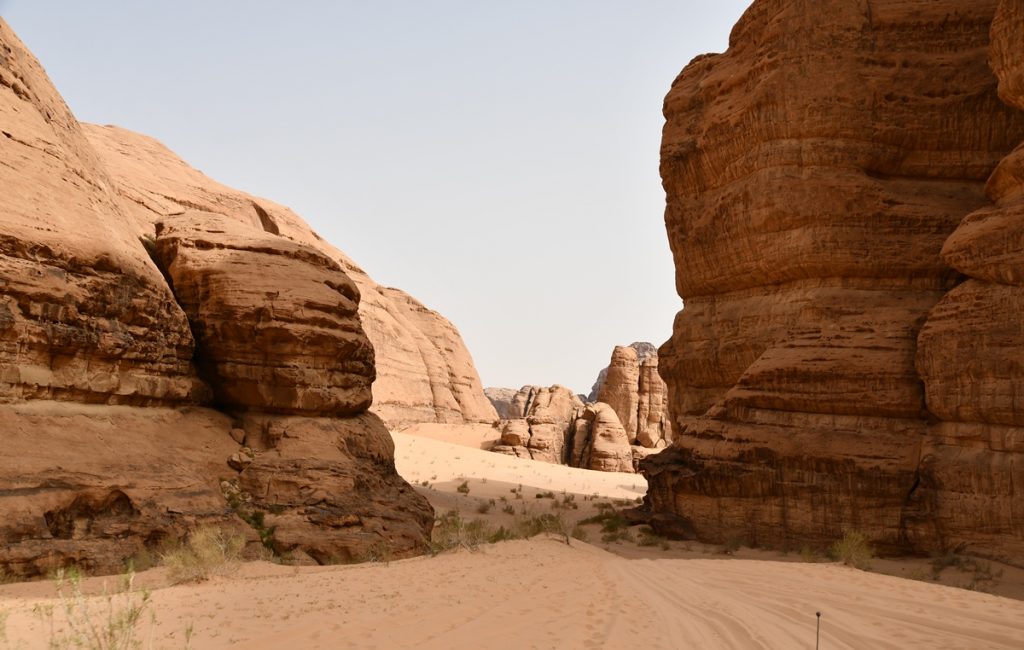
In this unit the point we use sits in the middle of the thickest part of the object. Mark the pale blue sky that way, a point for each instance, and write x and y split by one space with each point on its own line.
497 160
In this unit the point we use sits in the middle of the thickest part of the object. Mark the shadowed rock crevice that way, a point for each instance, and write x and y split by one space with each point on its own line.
88 514
266 220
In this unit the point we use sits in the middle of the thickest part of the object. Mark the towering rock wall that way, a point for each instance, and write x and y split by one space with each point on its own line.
830 370
424 371
110 367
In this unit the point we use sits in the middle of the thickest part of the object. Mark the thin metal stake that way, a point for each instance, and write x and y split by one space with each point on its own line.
817 634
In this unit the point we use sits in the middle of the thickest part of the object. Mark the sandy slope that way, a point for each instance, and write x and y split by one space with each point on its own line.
440 463
543 593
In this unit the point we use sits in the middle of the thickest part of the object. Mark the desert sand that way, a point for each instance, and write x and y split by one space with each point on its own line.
542 592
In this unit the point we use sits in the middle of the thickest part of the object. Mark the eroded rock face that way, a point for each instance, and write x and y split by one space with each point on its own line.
970 352
823 332
599 442
94 485
654 428
620 387
644 351
111 442
424 371
540 424
84 313
329 489
633 388
277 322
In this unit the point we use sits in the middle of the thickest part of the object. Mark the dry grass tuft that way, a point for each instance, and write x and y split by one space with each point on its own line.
853 550
208 551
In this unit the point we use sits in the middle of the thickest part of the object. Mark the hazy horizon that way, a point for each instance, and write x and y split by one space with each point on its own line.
498 162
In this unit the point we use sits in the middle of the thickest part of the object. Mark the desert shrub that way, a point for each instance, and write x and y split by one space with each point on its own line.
648 537
381 551
544 523
110 622
208 551
808 554
509 509
981 571
609 519
853 549
544 495
483 507
502 534
732 545
618 535
452 531
463 487
580 533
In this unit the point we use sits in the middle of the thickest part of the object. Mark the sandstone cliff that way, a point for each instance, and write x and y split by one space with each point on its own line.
424 371
828 179
126 389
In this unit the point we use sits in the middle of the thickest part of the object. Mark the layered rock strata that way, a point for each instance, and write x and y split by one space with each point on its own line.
424 371
84 312
110 369
276 322
831 370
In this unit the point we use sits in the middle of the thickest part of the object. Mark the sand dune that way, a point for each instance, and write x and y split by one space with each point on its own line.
543 593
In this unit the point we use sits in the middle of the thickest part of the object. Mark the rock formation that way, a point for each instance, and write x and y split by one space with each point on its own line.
555 426
636 392
828 179
597 441
128 388
501 400
276 323
424 371
541 418
611 434
644 351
